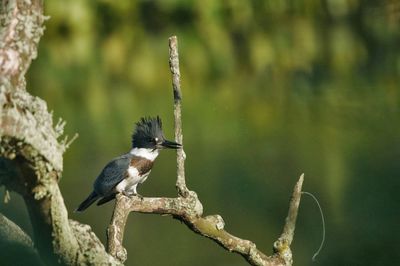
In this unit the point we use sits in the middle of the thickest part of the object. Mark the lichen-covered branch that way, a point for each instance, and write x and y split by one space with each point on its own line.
15 241
21 30
12 233
30 154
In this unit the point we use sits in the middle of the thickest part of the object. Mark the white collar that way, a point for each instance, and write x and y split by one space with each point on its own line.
149 154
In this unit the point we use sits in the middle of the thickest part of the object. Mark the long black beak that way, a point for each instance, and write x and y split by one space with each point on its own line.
170 145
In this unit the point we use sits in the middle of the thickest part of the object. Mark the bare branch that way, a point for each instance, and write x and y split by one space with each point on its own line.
180 154
282 245
116 229
290 222
188 208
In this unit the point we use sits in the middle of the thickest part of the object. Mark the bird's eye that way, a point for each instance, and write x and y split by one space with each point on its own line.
156 140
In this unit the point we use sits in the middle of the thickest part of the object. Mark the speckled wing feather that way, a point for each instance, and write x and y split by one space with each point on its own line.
113 173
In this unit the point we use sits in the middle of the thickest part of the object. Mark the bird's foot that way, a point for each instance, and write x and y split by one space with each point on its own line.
139 196
132 194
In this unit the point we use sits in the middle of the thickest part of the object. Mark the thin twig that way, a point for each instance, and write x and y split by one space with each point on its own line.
180 154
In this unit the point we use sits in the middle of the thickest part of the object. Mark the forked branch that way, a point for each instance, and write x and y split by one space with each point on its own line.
188 208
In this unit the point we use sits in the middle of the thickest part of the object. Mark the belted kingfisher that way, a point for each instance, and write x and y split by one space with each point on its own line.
124 173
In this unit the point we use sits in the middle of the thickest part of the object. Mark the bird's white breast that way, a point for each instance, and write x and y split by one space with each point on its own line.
149 154
133 172
128 184
131 181
134 178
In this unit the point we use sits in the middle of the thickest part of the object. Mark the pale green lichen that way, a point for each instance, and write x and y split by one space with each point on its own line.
22 28
26 117
216 220
195 206
39 192
28 140
282 248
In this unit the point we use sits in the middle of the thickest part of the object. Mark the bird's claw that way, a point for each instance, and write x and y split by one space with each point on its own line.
125 193
131 194
139 196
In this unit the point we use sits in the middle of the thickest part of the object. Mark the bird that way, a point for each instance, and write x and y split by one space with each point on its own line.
124 173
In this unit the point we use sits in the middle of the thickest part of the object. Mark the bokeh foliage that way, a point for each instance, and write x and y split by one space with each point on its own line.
271 89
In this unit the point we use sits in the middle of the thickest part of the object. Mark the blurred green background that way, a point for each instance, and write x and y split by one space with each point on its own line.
271 89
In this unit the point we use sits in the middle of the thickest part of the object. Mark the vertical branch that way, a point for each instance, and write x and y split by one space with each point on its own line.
116 228
180 154
290 224
21 29
282 245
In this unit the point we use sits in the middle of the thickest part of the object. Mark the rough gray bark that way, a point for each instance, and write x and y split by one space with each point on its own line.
30 154
188 208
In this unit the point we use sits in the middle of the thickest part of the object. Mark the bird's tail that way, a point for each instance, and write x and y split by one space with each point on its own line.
87 202
106 199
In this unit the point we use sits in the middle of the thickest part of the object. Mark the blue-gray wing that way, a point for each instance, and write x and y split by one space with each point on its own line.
113 173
